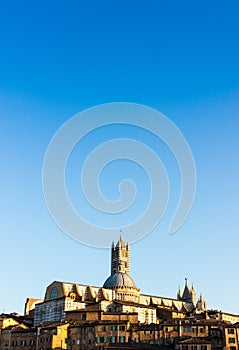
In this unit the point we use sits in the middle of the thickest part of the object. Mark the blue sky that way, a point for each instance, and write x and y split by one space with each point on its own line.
58 58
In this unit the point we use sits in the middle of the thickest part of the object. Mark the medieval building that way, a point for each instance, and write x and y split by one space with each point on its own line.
117 315
119 293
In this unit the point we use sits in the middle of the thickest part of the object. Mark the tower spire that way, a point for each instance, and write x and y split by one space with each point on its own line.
179 295
120 255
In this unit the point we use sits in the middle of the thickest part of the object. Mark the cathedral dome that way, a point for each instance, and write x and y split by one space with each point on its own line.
119 280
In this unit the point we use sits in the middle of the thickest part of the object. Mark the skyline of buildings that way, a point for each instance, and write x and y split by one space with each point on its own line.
180 58
120 264
118 288
117 316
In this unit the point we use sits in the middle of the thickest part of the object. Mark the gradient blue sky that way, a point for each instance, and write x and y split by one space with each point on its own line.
180 57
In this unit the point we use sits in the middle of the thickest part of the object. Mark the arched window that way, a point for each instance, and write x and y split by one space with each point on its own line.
72 296
54 293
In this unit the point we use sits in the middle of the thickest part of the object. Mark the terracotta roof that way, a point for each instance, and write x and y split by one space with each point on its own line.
131 303
195 340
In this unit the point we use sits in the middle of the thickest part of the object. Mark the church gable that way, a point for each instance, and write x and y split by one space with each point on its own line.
54 291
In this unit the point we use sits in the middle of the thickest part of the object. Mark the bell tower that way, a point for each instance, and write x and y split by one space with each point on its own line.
120 255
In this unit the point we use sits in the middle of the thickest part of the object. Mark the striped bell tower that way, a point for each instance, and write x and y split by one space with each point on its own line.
120 255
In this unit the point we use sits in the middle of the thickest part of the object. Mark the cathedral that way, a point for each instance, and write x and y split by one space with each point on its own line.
119 293
116 316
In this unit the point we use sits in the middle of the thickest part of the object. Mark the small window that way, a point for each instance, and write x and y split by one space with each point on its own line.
73 296
230 331
112 339
83 317
187 330
122 339
54 293
232 340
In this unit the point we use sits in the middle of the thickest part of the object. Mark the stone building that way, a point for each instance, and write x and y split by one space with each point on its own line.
23 338
232 337
8 324
119 293
117 315
52 336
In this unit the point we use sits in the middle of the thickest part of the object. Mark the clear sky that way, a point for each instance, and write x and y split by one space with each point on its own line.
181 57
